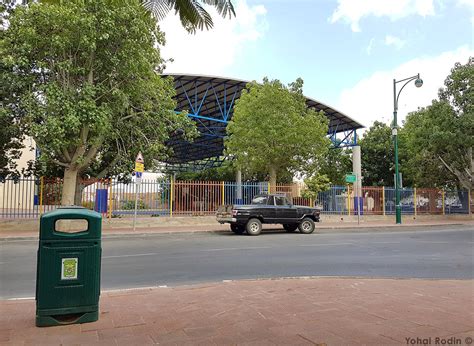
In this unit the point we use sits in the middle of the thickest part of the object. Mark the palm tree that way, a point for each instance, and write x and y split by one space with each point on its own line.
191 13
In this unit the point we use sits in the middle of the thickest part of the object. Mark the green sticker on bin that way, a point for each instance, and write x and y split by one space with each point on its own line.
69 269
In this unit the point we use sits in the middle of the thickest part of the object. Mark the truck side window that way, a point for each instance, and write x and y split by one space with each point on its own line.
280 200
259 200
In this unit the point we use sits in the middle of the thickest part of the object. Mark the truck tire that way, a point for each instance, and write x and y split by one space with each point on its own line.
237 229
290 227
253 227
306 226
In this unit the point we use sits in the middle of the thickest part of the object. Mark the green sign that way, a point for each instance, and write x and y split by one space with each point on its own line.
351 178
69 269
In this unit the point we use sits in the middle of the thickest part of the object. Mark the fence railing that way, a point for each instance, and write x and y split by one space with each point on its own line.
31 197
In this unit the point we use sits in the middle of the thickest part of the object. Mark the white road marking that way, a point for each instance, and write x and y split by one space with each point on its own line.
383 242
335 244
25 298
134 255
237 248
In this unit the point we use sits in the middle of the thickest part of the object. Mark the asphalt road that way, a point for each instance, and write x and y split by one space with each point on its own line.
175 259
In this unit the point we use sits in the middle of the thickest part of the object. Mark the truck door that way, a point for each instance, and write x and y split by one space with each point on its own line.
270 214
285 212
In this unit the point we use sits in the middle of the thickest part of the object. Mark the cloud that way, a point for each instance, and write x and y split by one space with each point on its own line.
352 11
372 98
394 41
211 52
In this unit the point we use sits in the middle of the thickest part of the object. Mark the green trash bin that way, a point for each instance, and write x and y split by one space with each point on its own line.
68 268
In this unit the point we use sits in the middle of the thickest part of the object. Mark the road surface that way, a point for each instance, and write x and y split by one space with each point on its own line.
175 259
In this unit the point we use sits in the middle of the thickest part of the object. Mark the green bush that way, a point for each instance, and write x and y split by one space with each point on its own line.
130 205
88 204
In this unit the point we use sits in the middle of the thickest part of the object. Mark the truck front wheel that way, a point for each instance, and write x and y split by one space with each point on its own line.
254 227
306 226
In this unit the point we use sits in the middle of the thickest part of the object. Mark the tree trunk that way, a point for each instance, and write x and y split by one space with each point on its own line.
78 192
273 179
69 186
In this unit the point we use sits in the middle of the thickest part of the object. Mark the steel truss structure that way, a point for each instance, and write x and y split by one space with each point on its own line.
210 101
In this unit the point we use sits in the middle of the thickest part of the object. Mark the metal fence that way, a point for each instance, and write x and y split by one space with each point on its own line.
31 197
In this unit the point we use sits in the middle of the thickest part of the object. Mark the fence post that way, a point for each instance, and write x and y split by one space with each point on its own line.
269 188
383 200
469 201
311 202
442 201
41 195
110 198
348 200
414 199
223 193
171 196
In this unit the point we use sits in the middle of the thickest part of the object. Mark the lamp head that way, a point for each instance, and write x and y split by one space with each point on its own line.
418 82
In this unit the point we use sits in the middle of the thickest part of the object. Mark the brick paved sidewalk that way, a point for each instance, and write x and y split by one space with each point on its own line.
310 311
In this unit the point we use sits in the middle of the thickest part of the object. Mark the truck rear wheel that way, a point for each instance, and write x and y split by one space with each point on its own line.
237 229
306 226
254 227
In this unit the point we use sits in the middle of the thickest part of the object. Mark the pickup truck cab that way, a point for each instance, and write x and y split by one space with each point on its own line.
271 209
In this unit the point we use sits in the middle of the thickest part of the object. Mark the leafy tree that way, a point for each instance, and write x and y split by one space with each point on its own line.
11 135
440 137
191 13
10 144
377 155
336 164
93 97
273 131
314 185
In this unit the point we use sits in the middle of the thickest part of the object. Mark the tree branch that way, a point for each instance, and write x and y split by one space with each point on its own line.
59 163
106 169
66 155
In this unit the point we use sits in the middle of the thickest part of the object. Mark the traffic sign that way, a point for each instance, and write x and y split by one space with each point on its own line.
139 167
139 158
351 178
139 175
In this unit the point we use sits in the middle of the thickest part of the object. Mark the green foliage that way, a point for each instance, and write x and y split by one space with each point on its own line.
130 205
336 164
439 138
88 204
92 96
11 135
377 155
273 131
191 13
316 184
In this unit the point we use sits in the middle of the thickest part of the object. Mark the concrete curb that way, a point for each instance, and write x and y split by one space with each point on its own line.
319 230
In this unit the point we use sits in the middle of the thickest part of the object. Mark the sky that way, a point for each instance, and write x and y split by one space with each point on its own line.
348 52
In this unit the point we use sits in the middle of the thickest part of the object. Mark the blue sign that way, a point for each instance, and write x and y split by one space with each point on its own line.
138 174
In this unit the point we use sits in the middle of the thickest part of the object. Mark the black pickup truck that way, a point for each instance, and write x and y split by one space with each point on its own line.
268 208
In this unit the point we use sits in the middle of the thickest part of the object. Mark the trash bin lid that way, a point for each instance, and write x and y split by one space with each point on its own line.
50 230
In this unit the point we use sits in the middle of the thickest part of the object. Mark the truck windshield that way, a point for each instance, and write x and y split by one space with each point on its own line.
259 200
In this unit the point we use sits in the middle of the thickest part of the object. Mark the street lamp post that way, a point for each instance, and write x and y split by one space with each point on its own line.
418 84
